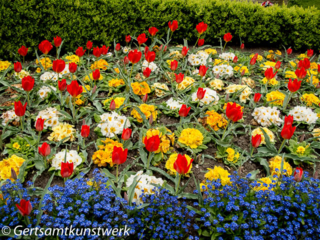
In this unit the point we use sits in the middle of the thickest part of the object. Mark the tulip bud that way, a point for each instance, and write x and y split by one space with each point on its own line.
126 60
318 85
235 59
278 65
118 47
227 97
112 105
243 72
151 119
13 174
94 89
289 51
17 67
242 46
145 98
257 97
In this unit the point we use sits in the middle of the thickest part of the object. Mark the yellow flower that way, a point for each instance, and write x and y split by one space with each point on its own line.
315 80
259 58
225 106
45 62
276 98
176 55
147 110
38 70
88 79
118 101
290 74
316 133
265 181
216 84
4 65
165 140
187 81
278 53
170 163
233 156
140 88
216 120
303 56
191 137
211 51
271 82
310 99
300 150
217 61
268 132
160 89
103 156
275 166
218 173
61 131
101 64
72 59
169 62
13 162
115 82
117 70
293 64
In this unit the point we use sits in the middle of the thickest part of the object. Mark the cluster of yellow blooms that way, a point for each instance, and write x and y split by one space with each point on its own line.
233 156
276 98
104 154
22 74
216 84
211 51
170 163
315 80
187 81
316 133
217 173
45 62
176 55
72 59
275 163
160 89
272 81
191 137
61 131
241 68
90 78
140 88
165 139
216 120
79 101
115 82
272 54
267 64
310 99
268 181
268 132
169 62
300 150
13 162
4 65
259 58
101 64
147 110
118 101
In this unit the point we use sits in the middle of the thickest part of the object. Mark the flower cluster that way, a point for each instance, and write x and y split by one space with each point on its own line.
14 162
267 116
303 114
112 124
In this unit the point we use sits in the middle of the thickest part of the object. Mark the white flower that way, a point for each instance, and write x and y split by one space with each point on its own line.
223 70
210 96
303 114
126 49
199 59
49 76
174 104
266 116
51 117
153 67
112 124
245 91
9 116
72 156
216 84
160 89
44 91
227 56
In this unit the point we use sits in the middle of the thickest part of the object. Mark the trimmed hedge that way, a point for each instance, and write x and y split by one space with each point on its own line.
30 21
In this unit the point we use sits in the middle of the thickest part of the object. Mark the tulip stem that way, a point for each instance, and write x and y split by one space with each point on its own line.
27 220
74 108
252 151
197 41
178 184
224 47
84 142
148 163
45 162
224 132
39 137
117 173
21 121
281 146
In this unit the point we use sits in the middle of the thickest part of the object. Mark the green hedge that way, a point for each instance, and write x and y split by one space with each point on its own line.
30 21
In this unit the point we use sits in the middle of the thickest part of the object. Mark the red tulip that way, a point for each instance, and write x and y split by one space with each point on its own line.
85 131
112 105
253 61
289 51
142 38
174 65
288 120
58 65
134 56
24 208
96 52
318 68
234 112
146 72
39 124
288 130
257 97
305 63
45 46
278 65
119 156
184 110
181 165
153 31
203 70
269 73
57 41
80 52
73 67
179 77
173 25
62 85
242 46
17 67
96 74
309 52
118 47
152 144
126 134
298 173
235 59
145 98
301 73
20 109
200 42
27 83
44 150
128 38
294 85
227 37
126 60
74 89
184 51
243 73
201 27
23 51
89 45
256 140
150 56
201 93
104 50
66 169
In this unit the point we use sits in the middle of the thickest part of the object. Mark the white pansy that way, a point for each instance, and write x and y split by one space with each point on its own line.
112 124
200 58
153 67
72 156
223 70
51 117
245 91
49 76
303 114
44 91
160 88
9 116
174 104
266 116
210 96
126 50
227 56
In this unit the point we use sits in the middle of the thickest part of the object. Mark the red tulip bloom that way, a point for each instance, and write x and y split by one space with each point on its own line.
152 144
66 169
200 42
318 68
126 60
45 46
118 47
201 93
24 208
17 67
174 65
23 51
298 173
184 110
242 46
62 85
235 59
126 134
85 131
145 98
305 63
301 73
27 83
201 27
134 56
173 25
96 52
73 67
89 45
278 65
227 37
184 51
309 52
181 165
112 105
257 97
39 124
80 52
289 51
153 31
104 50
203 70
256 140
253 61
96 74
74 89
128 38
119 156
20 109
142 38
150 56
269 73
57 41
234 112
179 77
44 150
146 72
58 65
294 85
288 120
287 131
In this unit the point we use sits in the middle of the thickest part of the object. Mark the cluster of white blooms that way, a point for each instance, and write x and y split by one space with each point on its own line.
145 185
223 70
200 58
44 91
266 116
160 89
245 91
72 156
303 114
126 50
153 67
51 117
174 104
112 124
216 84
210 96
21 74
65 70
227 56
9 116
49 76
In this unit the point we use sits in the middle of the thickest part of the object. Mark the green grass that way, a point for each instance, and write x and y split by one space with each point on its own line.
308 3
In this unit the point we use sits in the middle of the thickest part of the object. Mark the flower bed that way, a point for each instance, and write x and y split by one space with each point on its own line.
165 142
